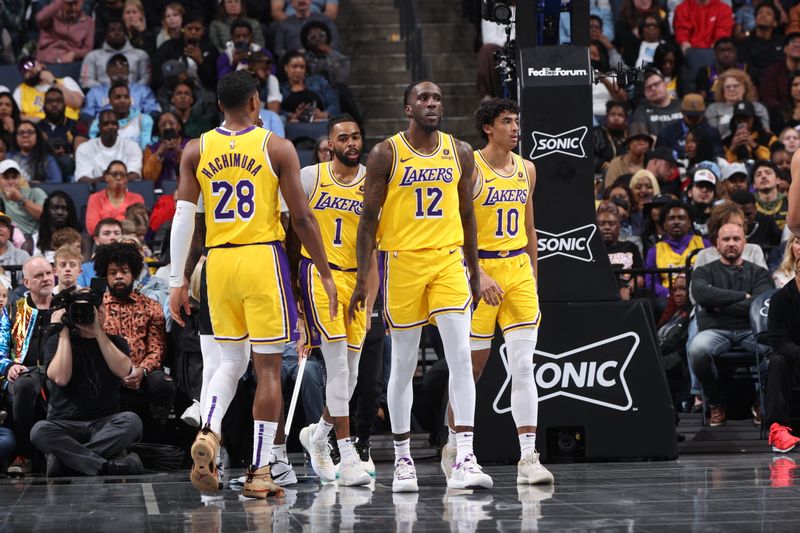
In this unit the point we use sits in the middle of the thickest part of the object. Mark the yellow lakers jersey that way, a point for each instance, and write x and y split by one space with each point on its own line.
240 189
499 203
337 207
33 103
666 257
421 206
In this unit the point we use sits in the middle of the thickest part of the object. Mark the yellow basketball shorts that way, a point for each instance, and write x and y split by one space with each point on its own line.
520 305
249 294
420 284
315 303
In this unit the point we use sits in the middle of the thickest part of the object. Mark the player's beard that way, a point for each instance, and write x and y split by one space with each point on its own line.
344 159
428 128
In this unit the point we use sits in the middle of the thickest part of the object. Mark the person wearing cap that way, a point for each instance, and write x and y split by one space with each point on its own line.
701 197
323 60
769 201
673 137
735 178
662 164
66 33
699 23
29 94
117 70
725 58
733 86
748 139
23 203
659 109
764 46
9 254
93 69
774 88
638 142
193 50
760 229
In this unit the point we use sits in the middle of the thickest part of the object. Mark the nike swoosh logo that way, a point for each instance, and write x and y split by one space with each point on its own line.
491 180
406 159
326 185
453 251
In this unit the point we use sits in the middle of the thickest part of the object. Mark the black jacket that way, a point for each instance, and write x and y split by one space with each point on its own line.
721 291
783 323
173 49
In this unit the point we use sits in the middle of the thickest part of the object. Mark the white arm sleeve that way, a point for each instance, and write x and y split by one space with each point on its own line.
180 240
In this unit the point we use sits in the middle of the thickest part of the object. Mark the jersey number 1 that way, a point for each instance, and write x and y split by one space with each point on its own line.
244 193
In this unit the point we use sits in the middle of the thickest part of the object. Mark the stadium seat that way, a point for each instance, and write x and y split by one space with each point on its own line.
306 157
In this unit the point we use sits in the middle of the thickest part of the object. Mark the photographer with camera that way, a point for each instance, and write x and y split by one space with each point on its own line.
140 320
85 431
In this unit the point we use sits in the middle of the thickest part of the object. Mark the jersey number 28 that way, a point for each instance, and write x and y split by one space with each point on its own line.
243 194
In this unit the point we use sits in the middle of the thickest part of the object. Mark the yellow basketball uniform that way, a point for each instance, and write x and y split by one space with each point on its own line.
337 207
500 201
420 235
247 271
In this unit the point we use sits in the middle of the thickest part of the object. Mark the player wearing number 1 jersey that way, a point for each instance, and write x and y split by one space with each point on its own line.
239 169
418 199
503 201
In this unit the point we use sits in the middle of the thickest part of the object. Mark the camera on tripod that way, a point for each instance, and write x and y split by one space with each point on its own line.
80 304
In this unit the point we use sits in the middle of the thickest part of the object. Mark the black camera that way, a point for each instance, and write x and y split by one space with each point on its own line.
242 46
496 11
169 134
80 305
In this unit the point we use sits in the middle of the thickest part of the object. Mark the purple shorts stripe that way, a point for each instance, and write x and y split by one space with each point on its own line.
308 307
287 297
502 254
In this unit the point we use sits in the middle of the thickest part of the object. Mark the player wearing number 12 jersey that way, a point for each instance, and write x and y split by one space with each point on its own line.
418 199
503 201
239 170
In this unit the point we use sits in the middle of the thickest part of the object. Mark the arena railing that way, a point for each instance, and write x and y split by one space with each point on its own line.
411 33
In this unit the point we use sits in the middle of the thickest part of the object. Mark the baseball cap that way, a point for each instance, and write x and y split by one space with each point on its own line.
703 175
711 166
744 109
172 68
733 169
117 57
8 164
638 130
663 153
693 105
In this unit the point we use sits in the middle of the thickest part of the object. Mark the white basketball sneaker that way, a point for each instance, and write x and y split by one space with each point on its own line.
405 476
320 455
468 474
531 472
448 460
352 474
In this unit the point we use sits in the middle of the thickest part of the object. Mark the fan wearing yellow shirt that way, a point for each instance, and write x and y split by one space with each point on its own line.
503 200
418 201
239 170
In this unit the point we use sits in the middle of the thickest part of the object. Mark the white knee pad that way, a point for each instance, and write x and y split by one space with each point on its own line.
353 357
520 345
337 395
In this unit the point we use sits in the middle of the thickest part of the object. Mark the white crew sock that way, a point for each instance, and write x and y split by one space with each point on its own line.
463 446
402 448
263 438
322 430
451 438
346 450
527 442
279 453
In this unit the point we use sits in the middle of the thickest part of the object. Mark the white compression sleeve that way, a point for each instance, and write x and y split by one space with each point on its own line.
210 349
234 358
520 345
399 391
336 387
454 329
180 239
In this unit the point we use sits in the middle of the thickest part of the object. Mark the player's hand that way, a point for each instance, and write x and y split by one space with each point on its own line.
333 297
179 298
358 301
303 344
475 287
490 290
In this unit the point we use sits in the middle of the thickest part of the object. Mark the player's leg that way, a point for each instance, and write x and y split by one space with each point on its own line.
400 398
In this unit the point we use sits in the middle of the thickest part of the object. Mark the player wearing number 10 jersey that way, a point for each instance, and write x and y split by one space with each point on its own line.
503 201
239 169
426 232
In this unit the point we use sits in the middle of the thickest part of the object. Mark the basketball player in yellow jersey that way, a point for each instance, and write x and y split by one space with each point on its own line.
239 169
335 192
793 215
418 199
503 200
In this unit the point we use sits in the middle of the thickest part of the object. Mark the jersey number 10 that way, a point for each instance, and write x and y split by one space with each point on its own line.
244 197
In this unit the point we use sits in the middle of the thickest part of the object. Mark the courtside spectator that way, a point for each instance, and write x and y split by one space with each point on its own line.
774 88
93 157
701 196
622 255
783 329
31 150
724 59
9 114
67 260
787 270
66 33
699 23
764 46
661 163
192 49
638 143
769 201
305 98
601 29
93 70
761 229
644 187
321 59
221 29
693 109
287 33
132 124
609 139
260 64
107 231
723 290
280 9
659 109
23 202
29 95
112 201
733 86
735 178
142 98
628 28
668 59
162 158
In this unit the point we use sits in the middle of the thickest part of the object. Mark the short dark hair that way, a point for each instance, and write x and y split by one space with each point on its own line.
308 26
611 104
103 112
116 85
239 23
762 163
235 88
53 89
743 198
118 253
771 6
490 110
662 215
114 20
724 40
116 162
108 221
338 119
411 86
598 19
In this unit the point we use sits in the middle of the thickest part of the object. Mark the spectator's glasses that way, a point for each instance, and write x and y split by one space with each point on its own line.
117 175
26 132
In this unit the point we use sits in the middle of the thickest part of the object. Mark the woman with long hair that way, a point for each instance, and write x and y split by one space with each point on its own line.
219 32
32 151
58 212
733 86
171 23
9 114
133 18
162 158
628 30
668 59
788 268
791 110
302 101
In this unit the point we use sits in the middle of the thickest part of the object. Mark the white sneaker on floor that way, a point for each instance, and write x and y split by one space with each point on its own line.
469 475
448 460
405 476
531 472
320 455
192 416
282 473
352 474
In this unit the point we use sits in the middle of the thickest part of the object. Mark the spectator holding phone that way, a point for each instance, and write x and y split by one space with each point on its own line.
162 158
